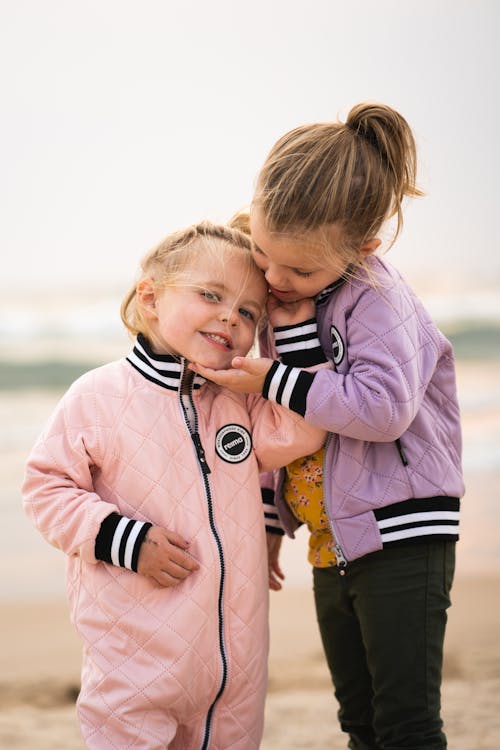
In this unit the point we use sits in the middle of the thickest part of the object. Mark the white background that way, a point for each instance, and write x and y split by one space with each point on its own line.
122 120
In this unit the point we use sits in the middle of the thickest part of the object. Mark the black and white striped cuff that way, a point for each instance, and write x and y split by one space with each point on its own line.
119 541
418 519
299 344
273 525
288 386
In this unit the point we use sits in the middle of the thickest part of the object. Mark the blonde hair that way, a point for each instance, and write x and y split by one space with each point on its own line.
169 263
351 175
241 220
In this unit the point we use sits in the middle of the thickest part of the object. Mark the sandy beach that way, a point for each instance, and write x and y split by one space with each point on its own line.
40 669
40 654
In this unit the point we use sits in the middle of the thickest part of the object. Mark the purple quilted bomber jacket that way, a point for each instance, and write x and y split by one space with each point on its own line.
392 470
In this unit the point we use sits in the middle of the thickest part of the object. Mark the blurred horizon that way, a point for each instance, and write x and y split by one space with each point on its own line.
49 340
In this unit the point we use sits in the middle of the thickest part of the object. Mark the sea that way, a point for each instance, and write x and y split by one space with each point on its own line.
48 341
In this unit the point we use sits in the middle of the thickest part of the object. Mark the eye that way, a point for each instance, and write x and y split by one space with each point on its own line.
303 274
246 313
210 296
258 256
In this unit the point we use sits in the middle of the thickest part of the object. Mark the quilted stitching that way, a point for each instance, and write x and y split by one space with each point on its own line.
399 384
145 645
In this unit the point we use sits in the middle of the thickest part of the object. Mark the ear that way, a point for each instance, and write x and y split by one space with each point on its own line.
146 298
370 246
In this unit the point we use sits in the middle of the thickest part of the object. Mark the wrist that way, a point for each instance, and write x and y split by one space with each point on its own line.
288 386
119 540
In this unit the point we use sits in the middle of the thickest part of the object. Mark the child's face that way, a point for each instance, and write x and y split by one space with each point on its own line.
211 319
291 267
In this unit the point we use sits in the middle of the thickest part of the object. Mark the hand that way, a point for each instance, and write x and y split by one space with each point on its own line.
246 376
276 574
162 557
291 313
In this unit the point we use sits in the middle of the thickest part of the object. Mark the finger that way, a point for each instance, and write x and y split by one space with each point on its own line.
179 572
175 538
229 378
240 363
180 560
274 584
251 365
194 367
219 377
206 372
165 580
276 569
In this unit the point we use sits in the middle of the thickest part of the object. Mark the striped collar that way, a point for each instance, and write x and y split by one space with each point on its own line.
322 296
162 369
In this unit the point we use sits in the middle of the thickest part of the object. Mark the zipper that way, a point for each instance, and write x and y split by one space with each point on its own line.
339 554
191 420
401 452
195 436
341 561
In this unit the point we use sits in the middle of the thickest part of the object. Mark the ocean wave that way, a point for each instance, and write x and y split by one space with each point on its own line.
475 341
49 374
470 342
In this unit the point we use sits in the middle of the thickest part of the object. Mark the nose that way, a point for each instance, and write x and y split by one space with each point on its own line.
275 277
229 316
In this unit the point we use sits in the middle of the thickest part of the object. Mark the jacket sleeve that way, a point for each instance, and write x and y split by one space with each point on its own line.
279 437
296 345
268 480
58 491
393 350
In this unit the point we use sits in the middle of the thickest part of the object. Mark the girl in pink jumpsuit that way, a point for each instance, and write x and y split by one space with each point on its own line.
147 478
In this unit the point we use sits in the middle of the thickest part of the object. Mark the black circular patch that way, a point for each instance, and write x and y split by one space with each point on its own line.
233 443
338 348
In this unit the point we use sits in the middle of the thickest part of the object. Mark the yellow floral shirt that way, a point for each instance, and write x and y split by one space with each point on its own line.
303 492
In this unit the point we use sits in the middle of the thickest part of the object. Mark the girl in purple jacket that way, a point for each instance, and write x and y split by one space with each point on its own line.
381 500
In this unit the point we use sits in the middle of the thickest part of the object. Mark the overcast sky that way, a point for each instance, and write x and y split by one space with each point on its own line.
123 120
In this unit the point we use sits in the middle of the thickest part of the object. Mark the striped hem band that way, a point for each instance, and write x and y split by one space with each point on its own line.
436 517
272 521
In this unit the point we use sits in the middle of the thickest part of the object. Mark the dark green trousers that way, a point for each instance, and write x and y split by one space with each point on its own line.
382 625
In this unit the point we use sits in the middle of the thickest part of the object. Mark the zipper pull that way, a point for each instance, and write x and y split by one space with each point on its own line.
200 453
402 454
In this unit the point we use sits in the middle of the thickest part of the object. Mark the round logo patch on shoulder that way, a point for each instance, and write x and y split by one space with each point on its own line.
233 443
337 346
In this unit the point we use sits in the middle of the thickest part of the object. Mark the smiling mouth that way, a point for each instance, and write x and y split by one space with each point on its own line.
219 339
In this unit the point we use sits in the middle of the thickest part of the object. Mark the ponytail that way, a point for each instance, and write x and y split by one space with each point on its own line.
353 175
388 133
